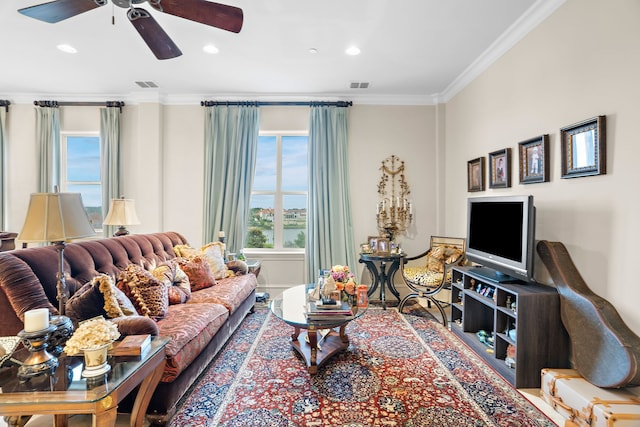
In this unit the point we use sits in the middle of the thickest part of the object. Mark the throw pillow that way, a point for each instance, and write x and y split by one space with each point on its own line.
214 253
99 297
148 294
198 271
176 280
237 267
185 251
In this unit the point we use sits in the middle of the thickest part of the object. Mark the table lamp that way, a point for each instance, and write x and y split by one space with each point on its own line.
122 212
56 218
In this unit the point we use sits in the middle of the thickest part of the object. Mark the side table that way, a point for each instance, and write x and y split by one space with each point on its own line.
67 392
383 276
254 266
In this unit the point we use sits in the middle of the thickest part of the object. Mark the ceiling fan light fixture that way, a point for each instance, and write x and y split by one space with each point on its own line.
67 48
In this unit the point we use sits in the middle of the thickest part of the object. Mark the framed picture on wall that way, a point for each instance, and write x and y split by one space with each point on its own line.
500 168
583 148
475 174
533 156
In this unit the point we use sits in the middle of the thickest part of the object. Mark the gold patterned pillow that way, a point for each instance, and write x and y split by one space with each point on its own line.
214 254
148 294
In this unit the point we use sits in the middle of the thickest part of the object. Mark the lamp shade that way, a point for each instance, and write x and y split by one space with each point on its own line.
122 212
55 217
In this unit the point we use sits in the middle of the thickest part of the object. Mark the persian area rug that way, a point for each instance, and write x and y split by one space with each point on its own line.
399 370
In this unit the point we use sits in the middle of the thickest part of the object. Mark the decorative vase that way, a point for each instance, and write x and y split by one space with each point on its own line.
95 361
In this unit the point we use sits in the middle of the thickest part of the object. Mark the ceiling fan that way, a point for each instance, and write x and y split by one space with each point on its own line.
217 15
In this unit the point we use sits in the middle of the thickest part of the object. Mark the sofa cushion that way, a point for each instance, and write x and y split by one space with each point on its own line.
148 294
230 292
176 280
190 327
198 271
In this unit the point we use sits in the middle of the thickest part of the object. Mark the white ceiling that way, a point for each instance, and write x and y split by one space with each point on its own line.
414 51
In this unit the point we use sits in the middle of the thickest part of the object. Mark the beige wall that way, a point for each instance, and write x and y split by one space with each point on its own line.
581 62
162 148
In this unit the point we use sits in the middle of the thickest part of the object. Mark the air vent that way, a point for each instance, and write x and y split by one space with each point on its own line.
147 84
359 85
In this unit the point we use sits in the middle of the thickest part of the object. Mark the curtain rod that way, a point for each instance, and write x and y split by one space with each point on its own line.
54 104
278 103
5 103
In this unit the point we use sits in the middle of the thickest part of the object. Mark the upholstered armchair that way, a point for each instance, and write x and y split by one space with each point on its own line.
429 273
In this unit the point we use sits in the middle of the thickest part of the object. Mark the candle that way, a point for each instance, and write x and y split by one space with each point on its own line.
220 233
36 320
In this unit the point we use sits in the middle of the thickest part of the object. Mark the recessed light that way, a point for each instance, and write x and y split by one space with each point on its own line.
352 51
67 48
313 50
209 48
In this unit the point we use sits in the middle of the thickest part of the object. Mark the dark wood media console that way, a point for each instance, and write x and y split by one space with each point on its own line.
533 310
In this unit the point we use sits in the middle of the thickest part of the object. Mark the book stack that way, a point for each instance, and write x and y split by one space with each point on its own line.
341 311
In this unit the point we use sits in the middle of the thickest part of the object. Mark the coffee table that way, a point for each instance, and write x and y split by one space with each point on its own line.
291 307
67 392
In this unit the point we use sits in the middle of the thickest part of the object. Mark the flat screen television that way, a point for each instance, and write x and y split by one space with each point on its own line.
501 236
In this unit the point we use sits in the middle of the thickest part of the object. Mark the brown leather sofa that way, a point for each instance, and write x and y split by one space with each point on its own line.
198 329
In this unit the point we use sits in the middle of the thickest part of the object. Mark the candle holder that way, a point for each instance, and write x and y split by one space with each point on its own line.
59 337
40 361
394 211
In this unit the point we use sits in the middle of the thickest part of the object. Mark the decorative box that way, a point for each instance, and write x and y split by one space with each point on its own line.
585 405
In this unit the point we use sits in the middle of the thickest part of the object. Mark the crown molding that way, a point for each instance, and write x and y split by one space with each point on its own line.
533 17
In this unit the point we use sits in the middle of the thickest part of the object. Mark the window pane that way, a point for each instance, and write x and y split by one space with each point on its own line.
83 158
266 169
294 221
260 227
92 200
294 163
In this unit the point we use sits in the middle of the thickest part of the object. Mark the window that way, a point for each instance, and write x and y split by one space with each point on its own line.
81 172
278 216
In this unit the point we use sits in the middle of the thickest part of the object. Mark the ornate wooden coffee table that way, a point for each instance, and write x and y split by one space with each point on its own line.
67 392
291 307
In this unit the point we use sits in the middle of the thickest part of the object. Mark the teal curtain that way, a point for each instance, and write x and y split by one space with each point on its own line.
110 160
329 229
48 137
3 167
230 149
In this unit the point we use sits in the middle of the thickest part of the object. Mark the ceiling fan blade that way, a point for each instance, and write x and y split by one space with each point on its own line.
154 36
60 10
206 12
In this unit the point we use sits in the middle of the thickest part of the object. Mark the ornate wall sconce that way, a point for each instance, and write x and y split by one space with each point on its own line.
394 211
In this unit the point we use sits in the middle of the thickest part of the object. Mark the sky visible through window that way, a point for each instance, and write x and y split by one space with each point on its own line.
294 171
83 165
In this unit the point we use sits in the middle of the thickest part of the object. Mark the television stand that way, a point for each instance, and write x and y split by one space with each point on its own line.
495 275
523 331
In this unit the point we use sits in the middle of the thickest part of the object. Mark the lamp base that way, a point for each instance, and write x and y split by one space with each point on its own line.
122 231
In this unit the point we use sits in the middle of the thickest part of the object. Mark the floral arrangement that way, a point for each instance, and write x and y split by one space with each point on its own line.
92 333
344 278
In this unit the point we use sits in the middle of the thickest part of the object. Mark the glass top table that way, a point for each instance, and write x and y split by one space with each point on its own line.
68 392
291 307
